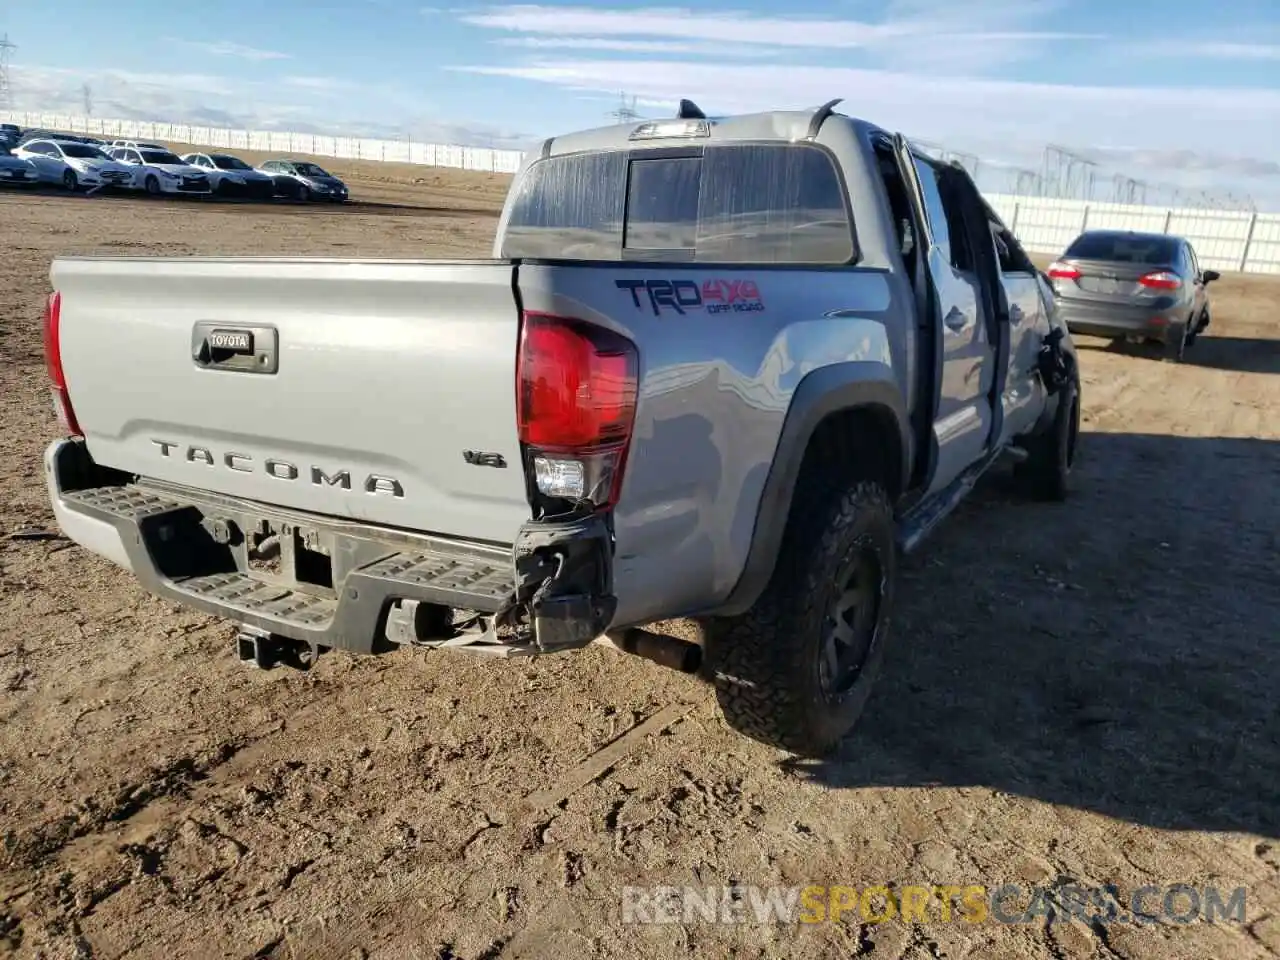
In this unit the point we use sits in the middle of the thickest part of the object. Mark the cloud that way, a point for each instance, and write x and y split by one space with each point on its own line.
225 48
743 28
1186 160
1004 120
926 35
319 83
1206 48
1233 51
664 47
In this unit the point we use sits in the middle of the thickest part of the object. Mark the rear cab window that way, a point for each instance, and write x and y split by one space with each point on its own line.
740 203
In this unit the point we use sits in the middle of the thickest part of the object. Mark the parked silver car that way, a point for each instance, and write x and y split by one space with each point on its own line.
231 177
74 164
1117 283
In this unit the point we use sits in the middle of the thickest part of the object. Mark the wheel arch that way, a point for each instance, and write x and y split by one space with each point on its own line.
847 420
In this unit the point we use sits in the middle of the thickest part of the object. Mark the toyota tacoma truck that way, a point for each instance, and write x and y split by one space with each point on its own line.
728 369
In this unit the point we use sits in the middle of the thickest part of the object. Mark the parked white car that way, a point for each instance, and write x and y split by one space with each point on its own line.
74 164
231 176
157 170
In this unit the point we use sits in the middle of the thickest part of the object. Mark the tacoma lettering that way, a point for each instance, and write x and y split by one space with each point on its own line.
278 469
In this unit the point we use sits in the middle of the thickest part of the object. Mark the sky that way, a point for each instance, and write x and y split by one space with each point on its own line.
1178 92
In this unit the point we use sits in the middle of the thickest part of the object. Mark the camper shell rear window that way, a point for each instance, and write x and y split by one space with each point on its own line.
739 203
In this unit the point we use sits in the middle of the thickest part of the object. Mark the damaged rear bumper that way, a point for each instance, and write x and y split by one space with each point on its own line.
339 584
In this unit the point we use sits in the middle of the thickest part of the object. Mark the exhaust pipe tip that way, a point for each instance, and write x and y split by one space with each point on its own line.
666 651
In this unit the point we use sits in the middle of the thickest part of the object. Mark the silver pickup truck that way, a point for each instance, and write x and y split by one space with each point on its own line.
726 369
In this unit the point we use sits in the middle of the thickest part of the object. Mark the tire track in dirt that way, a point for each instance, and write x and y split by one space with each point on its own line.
522 816
1121 393
99 854
164 798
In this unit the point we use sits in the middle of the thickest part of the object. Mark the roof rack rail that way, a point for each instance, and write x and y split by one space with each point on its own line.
820 117
690 111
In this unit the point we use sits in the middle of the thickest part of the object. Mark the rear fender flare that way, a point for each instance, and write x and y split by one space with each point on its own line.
854 385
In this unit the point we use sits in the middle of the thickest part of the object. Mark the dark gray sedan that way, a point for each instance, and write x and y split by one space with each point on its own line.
304 181
1149 286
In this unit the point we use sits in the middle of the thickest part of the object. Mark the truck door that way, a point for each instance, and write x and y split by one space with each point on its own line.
1023 395
963 423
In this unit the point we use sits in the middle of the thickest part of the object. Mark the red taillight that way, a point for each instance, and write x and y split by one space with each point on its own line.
1161 280
1063 271
52 335
576 388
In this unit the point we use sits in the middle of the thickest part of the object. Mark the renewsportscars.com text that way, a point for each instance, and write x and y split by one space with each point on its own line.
972 903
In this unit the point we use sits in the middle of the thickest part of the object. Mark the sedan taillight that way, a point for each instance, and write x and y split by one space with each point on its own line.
1161 280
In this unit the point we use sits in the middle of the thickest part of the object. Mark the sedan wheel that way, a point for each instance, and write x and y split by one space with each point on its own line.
70 181
1175 347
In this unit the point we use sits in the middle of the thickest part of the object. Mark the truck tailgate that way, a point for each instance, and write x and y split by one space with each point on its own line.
381 391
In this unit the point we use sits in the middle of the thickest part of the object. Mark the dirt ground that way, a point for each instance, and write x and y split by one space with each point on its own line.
1082 692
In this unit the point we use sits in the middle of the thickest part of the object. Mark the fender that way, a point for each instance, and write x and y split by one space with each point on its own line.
853 385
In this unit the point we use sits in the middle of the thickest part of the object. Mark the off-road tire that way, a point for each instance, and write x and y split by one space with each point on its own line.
1051 455
765 663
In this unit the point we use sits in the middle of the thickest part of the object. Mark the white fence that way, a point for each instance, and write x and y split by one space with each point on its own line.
274 141
1223 239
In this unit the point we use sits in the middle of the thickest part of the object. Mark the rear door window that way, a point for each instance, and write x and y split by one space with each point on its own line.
569 208
773 204
732 203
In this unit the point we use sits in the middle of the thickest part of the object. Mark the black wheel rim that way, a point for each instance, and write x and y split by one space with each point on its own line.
851 625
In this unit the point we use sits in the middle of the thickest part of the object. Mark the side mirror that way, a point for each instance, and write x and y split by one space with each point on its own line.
1211 275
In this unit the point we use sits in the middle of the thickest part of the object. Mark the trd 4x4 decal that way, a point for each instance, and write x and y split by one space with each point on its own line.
713 296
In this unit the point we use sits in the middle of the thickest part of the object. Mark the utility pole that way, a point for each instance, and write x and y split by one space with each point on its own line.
6 88
87 92
625 112
1071 175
